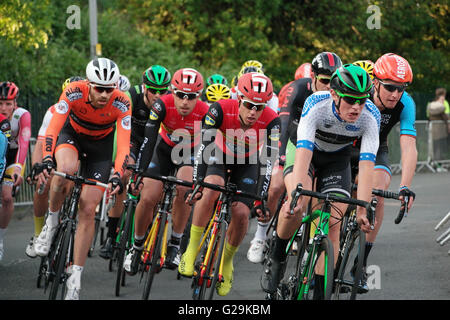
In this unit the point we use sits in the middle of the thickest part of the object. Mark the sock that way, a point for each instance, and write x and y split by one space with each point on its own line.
369 246
52 219
112 227
138 242
279 250
175 240
38 225
75 278
229 252
2 234
196 235
261 231
319 283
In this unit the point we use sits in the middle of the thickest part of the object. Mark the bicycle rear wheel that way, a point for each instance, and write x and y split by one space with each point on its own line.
350 266
124 246
155 262
308 289
60 261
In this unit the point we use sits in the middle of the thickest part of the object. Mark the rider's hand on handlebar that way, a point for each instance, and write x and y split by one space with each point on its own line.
115 184
405 194
363 221
261 211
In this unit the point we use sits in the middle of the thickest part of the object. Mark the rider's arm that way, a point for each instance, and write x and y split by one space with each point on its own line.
157 115
283 106
211 121
23 139
408 140
270 156
123 128
62 110
3 149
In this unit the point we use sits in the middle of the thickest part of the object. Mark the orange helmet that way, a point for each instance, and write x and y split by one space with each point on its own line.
304 71
393 67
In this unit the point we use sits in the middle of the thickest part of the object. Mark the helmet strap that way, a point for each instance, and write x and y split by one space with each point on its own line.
378 96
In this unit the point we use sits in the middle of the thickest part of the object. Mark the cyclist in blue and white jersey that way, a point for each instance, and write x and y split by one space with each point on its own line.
330 122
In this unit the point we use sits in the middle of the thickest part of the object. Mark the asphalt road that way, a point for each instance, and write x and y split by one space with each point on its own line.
406 262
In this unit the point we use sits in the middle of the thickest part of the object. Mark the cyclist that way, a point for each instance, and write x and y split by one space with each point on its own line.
216 92
367 65
392 75
329 123
20 124
155 84
84 122
236 127
124 84
216 78
40 201
292 99
177 114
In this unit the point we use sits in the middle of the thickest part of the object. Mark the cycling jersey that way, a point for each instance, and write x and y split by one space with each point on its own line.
237 145
20 135
164 114
321 127
45 122
292 98
90 123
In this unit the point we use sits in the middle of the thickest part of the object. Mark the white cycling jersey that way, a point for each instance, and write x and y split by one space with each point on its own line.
321 127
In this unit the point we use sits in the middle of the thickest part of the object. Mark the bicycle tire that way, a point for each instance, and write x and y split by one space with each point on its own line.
217 259
60 261
155 263
354 247
94 240
197 287
125 235
306 292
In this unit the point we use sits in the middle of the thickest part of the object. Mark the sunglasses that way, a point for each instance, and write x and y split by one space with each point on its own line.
324 80
351 99
184 95
252 106
100 89
392 87
160 91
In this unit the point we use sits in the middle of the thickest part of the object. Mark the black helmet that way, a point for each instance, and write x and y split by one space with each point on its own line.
326 63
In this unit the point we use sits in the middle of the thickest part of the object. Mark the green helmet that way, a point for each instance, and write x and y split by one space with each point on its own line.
351 80
156 76
216 78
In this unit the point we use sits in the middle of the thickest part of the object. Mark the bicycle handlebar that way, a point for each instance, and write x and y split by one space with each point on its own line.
79 179
170 179
229 188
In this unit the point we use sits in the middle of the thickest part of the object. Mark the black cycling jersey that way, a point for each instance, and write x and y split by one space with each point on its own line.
291 110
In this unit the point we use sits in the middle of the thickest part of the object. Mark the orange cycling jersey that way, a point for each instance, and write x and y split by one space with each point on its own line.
90 122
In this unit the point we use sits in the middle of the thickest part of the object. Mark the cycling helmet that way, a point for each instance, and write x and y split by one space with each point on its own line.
326 63
103 71
70 80
253 63
8 90
217 91
352 80
156 76
304 71
393 67
256 87
187 80
124 83
367 65
216 78
249 69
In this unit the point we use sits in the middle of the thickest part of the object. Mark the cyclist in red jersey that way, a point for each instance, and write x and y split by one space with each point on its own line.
84 122
255 252
20 132
176 114
239 128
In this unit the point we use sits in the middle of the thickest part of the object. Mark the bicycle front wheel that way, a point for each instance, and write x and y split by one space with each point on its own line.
310 288
124 246
350 266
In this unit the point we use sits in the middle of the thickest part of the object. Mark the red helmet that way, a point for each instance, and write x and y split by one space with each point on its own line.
304 71
255 86
8 91
393 67
187 80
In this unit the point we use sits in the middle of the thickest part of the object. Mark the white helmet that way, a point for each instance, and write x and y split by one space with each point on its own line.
124 84
103 71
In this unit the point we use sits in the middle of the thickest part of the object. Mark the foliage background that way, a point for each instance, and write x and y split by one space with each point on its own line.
38 52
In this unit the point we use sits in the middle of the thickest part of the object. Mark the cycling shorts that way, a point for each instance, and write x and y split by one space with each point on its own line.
98 152
10 165
381 162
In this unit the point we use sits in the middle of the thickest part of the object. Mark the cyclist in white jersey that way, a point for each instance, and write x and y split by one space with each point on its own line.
330 122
